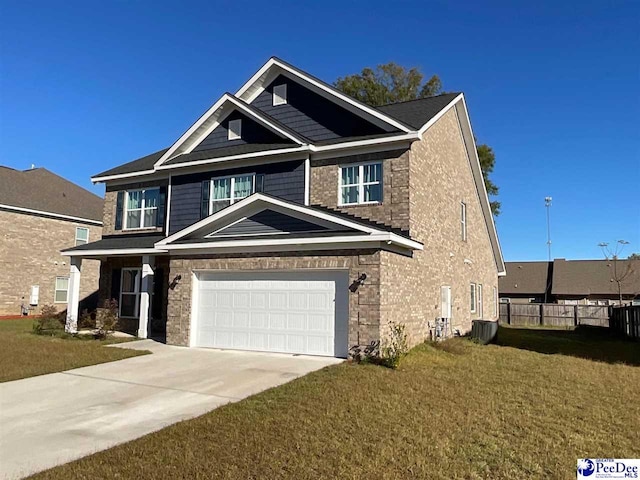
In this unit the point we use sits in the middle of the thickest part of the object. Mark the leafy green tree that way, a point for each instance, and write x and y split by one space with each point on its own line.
392 83
634 256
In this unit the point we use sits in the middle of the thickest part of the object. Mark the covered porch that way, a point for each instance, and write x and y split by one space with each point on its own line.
132 273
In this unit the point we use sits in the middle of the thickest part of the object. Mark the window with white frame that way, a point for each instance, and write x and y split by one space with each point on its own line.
473 298
480 301
82 235
141 208
280 95
234 132
463 220
228 190
361 184
130 292
61 293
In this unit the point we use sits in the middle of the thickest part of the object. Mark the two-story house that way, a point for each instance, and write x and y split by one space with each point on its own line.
40 214
292 218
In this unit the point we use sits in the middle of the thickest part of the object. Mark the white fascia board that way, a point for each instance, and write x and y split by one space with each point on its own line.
114 252
50 214
319 85
336 242
243 156
439 115
470 145
185 136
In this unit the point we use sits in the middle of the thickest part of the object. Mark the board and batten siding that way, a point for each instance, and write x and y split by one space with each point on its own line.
284 180
312 115
270 222
251 132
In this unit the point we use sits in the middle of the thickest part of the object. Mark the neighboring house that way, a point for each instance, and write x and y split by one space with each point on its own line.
40 214
292 218
571 282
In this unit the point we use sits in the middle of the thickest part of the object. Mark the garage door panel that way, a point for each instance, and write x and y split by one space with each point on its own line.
291 312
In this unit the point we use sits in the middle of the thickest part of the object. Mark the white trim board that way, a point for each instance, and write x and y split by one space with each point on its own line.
50 214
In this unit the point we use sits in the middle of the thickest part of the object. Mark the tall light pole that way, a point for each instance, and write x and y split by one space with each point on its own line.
547 204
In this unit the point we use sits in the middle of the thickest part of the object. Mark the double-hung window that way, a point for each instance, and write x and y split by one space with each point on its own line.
61 293
130 292
141 208
82 235
228 190
361 184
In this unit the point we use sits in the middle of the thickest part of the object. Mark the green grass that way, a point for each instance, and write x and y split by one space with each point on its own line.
526 408
23 354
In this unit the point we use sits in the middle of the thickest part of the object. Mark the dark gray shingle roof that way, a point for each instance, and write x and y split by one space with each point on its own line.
117 242
416 113
144 163
524 278
40 189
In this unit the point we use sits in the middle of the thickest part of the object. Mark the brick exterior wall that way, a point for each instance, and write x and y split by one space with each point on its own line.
364 304
440 178
394 209
30 255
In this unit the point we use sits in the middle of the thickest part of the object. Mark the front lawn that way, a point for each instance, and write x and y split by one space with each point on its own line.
23 354
522 409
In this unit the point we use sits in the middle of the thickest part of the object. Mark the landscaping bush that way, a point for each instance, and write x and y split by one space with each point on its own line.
50 322
395 348
106 319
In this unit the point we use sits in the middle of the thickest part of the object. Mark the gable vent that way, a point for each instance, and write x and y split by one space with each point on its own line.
280 95
235 129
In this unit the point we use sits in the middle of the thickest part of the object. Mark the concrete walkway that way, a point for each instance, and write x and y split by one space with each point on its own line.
53 419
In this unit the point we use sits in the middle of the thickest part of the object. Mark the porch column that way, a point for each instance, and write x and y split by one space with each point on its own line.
73 295
148 263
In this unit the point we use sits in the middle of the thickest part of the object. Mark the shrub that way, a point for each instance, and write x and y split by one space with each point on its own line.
86 320
107 319
50 322
395 348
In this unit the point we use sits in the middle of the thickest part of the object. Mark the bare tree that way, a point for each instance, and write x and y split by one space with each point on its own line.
621 270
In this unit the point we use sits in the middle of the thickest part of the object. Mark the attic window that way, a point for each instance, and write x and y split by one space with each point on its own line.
280 95
235 129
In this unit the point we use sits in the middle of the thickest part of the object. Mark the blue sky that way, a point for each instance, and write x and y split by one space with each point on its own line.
551 86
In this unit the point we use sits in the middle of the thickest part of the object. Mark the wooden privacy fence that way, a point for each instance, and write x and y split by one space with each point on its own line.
554 314
626 320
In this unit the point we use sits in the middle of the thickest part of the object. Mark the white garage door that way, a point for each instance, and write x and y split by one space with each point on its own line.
290 312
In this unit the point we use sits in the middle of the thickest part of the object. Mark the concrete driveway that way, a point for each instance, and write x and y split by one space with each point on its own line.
53 419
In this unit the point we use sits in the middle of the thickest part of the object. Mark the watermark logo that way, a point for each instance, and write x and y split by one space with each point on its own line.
586 467
609 468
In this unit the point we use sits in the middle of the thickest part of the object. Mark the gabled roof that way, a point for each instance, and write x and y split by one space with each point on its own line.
275 66
40 191
212 118
336 229
525 278
593 277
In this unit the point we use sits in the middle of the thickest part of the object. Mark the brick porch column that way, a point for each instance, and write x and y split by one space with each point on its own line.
148 263
73 295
